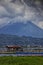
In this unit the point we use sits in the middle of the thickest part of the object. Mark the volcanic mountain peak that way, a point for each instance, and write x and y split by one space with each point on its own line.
19 28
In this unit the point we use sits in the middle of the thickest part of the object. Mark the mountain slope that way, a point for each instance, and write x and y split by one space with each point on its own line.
6 39
28 29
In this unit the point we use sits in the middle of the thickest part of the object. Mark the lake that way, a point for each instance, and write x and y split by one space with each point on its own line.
23 54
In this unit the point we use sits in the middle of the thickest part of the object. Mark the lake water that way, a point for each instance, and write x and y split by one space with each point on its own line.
23 54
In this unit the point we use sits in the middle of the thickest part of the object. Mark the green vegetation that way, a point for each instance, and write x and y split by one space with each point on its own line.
6 39
10 60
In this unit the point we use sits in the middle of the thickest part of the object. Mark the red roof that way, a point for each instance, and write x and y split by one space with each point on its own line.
13 46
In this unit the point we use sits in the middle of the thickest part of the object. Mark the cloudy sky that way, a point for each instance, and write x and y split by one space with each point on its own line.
21 11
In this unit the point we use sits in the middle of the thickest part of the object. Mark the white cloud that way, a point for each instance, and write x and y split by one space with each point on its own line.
3 12
41 24
17 12
4 21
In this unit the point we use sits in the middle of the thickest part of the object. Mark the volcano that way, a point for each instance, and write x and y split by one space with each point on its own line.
22 29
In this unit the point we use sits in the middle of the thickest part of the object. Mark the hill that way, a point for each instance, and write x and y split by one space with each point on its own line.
17 40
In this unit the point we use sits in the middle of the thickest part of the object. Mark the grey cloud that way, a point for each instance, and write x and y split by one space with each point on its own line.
22 10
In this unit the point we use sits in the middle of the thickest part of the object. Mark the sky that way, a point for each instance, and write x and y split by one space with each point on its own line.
21 11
